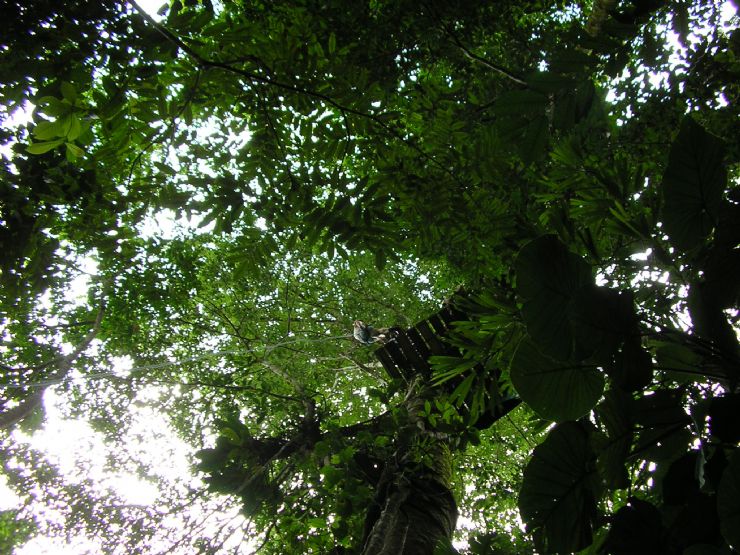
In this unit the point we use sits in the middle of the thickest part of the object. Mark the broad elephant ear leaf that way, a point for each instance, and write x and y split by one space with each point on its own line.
613 448
693 184
546 263
558 493
556 390
548 276
728 502
663 426
636 528
601 319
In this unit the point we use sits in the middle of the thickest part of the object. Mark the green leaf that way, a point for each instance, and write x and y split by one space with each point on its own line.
46 130
532 145
321 449
582 104
211 459
68 92
546 317
444 547
331 475
702 549
602 319
73 151
450 368
724 418
680 483
693 184
676 357
557 492
461 391
663 422
549 82
615 412
332 43
633 366
636 528
54 107
547 277
74 128
555 390
728 501
572 60
41 148
546 264
169 170
516 103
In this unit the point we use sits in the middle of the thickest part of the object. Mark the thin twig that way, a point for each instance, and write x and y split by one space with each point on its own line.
488 64
475 57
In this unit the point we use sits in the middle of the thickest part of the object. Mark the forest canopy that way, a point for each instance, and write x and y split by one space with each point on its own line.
200 204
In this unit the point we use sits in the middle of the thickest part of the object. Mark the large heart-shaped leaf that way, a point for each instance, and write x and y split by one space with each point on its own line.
556 390
636 528
518 103
557 492
662 421
546 263
548 275
693 184
728 501
615 412
548 324
602 319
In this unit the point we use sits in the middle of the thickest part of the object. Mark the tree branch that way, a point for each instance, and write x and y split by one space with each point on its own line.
481 60
475 57
64 363
254 77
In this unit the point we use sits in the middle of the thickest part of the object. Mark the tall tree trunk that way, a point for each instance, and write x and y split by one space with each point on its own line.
415 510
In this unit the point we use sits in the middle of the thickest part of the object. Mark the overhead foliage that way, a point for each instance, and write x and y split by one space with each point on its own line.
233 184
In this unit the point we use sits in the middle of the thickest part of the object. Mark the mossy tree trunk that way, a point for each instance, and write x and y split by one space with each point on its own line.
415 510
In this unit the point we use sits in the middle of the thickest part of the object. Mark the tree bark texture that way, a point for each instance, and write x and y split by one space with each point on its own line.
415 510
418 514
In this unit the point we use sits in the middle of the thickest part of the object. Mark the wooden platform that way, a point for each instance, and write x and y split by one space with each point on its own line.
407 352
